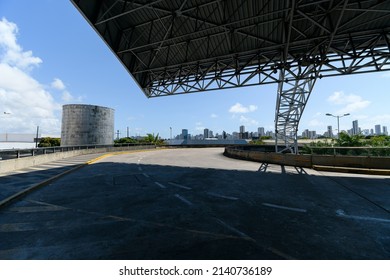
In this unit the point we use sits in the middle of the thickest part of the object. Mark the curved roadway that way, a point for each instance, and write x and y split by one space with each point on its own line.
198 204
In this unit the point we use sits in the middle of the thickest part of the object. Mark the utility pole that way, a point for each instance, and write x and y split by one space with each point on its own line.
127 132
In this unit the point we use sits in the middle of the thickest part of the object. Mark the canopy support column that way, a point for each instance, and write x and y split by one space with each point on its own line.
294 88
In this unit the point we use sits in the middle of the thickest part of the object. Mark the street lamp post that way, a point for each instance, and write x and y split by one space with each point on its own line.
6 137
171 133
338 122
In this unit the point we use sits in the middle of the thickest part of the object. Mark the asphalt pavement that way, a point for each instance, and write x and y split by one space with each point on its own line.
195 204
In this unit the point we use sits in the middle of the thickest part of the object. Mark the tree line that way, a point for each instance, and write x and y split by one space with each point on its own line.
378 145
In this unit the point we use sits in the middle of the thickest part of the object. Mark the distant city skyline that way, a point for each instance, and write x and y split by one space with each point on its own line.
355 130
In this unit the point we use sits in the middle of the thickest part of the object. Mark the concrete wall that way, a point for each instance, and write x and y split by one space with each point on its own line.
310 160
352 161
19 163
87 124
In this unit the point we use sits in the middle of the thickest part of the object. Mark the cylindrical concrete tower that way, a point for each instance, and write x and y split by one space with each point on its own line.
87 124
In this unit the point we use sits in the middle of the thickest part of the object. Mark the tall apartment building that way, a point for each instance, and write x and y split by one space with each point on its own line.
261 131
384 130
310 134
184 133
377 129
329 131
355 127
206 133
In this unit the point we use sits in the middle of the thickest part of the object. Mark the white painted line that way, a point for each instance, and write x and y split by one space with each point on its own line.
341 213
240 233
285 207
189 203
18 227
179 186
222 196
160 185
32 209
146 175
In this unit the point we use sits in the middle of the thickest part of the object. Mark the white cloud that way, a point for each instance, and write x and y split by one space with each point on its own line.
318 114
248 121
240 109
315 123
29 103
199 127
11 53
214 116
58 84
381 119
67 97
350 103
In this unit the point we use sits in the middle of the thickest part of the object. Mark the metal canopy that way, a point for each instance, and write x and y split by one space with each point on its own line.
182 46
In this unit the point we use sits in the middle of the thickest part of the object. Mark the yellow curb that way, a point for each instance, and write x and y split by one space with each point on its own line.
117 153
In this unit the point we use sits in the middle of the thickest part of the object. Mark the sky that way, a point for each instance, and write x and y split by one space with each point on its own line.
50 56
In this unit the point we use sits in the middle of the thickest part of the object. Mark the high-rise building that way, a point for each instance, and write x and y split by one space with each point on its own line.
378 129
224 135
184 133
261 131
242 134
310 134
206 133
384 128
329 131
355 128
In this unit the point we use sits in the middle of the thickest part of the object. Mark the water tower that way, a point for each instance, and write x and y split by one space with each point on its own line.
87 124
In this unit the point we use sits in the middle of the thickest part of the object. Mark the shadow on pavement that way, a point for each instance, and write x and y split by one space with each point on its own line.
130 211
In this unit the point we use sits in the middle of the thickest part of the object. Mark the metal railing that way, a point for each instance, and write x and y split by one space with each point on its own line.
20 153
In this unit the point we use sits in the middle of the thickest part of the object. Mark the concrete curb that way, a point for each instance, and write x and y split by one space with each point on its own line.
352 170
56 177
37 186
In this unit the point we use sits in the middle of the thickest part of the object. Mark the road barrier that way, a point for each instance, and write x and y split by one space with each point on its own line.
23 158
309 161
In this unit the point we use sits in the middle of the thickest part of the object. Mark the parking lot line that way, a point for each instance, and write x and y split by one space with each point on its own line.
285 207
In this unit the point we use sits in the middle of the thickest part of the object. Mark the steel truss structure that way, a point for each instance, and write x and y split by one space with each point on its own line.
185 46
292 97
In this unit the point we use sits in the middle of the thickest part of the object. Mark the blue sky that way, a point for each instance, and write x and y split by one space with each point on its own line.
50 56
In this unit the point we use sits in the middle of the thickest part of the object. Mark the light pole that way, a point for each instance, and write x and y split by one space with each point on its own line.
6 138
338 122
171 133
